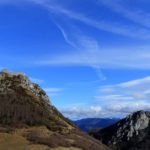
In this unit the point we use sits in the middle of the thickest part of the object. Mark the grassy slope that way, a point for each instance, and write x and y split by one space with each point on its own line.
17 142
41 138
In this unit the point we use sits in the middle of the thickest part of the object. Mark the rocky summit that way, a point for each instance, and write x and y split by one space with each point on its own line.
25 103
131 133
28 120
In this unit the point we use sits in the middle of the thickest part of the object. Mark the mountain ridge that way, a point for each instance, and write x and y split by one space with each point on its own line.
28 120
88 124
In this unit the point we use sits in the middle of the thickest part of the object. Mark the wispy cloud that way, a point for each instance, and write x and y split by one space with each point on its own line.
36 80
115 100
82 112
65 35
121 7
128 96
53 91
125 108
81 44
117 110
87 51
129 58
112 27
132 88
137 16
113 97
134 83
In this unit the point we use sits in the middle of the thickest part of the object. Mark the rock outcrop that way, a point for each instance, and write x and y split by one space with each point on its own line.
28 120
132 133
24 102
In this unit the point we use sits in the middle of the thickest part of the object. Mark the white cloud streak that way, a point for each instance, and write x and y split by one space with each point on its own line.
65 35
134 83
81 44
139 85
129 58
116 28
53 91
36 80
135 15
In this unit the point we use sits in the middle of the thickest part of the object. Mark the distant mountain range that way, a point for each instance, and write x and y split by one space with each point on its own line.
131 133
93 123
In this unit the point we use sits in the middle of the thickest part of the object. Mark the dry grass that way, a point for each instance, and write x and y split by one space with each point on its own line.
12 142
64 148
41 138
17 142
73 139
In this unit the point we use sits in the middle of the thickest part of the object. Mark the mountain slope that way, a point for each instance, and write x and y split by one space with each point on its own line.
29 121
94 123
131 133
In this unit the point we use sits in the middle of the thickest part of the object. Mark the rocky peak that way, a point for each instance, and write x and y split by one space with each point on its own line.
10 81
132 125
139 120
131 132
24 102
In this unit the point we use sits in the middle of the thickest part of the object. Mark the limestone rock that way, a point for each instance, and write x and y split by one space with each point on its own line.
133 132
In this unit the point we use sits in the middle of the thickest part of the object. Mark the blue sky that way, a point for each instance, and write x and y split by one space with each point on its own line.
92 56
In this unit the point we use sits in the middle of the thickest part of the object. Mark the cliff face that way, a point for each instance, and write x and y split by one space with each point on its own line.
29 121
133 132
